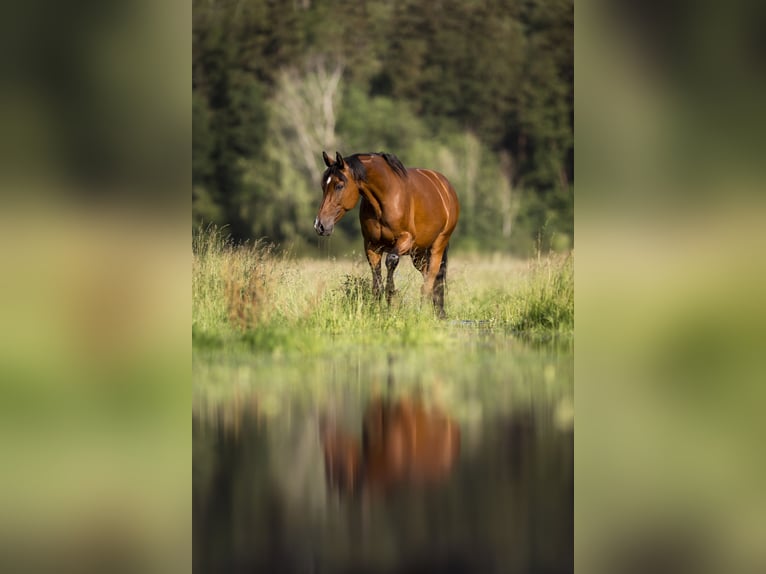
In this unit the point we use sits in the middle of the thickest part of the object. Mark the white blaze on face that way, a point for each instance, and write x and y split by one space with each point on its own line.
326 183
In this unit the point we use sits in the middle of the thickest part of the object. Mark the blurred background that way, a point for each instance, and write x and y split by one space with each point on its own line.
480 90
95 364
669 371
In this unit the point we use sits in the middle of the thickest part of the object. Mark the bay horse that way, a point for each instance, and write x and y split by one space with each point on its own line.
402 442
403 212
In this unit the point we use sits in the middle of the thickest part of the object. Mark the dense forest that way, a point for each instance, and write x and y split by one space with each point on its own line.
481 90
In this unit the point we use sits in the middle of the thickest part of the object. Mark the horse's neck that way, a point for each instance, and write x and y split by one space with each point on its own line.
370 198
376 188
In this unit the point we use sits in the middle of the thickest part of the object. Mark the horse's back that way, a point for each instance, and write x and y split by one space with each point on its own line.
434 205
434 199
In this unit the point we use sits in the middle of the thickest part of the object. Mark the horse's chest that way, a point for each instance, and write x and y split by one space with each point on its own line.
375 228
378 232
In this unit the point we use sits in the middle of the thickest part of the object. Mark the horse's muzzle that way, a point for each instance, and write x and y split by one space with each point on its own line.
321 229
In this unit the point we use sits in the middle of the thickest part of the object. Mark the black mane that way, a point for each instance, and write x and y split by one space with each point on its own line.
394 163
359 172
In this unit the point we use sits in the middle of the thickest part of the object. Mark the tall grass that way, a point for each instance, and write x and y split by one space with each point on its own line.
250 296
547 301
540 301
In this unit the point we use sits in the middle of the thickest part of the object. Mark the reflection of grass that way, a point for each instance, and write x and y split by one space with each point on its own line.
248 296
471 380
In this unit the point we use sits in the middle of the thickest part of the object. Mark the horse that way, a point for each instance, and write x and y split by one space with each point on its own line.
403 211
402 442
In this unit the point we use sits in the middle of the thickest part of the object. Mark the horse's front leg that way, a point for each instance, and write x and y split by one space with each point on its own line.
373 258
392 260
404 245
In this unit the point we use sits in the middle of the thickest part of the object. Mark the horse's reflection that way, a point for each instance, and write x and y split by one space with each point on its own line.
403 441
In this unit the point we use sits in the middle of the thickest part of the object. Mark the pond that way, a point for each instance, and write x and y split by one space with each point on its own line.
450 459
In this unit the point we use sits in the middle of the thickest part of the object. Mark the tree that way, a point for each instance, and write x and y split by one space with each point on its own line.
541 125
305 111
229 114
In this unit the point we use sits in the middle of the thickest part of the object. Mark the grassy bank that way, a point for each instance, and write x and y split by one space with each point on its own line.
250 297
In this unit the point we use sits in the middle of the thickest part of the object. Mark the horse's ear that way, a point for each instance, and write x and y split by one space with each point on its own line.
327 161
339 160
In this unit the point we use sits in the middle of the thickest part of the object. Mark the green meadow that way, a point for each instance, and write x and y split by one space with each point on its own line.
250 298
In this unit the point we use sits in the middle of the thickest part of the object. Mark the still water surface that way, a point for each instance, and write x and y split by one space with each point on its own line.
456 460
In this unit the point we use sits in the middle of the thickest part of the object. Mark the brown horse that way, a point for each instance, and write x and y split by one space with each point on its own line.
403 212
402 441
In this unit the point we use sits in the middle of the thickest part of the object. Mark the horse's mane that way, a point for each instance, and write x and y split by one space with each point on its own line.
359 172
394 163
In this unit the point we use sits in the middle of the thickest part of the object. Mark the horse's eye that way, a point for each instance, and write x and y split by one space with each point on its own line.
339 186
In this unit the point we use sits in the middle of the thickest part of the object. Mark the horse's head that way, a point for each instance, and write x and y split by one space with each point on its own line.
341 193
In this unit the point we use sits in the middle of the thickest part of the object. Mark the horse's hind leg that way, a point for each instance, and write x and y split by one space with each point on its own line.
392 260
440 283
436 277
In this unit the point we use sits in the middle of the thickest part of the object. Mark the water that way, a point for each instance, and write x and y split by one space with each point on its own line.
457 459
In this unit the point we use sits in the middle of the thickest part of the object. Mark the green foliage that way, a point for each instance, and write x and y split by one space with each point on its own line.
481 90
544 223
377 123
202 140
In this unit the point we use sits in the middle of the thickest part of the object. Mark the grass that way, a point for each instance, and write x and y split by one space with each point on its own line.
250 297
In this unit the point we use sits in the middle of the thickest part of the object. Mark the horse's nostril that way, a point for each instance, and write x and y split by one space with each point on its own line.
322 229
